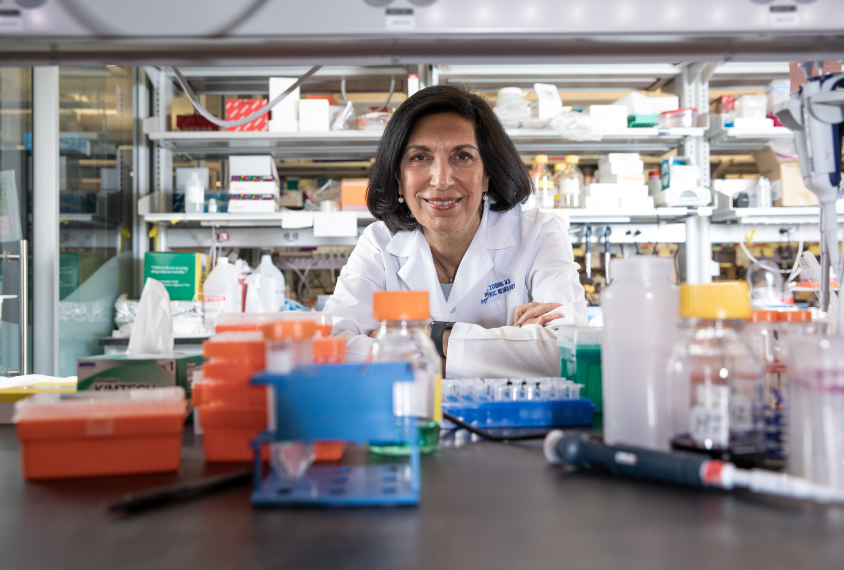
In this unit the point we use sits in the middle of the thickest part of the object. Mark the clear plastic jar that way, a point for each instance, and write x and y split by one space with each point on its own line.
568 179
403 336
542 181
715 378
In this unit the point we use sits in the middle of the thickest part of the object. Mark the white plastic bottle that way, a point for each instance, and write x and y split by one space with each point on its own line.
221 293
194 195
272 283
641 319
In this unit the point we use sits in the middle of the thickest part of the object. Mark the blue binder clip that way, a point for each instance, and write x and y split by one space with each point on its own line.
347 402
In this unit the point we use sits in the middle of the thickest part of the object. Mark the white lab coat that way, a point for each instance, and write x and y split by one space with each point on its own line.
515 257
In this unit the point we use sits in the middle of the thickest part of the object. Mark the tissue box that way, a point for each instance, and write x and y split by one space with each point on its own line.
128 371
239 108
180 273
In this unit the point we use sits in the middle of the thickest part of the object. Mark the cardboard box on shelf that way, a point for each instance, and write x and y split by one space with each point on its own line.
285 115
253 175
786 179
180 273
353 194
240 108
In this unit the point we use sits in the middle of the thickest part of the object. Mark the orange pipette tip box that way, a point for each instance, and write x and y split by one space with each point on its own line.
226 370
236 346
98 433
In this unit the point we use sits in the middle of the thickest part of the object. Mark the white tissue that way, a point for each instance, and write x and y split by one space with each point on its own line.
152 332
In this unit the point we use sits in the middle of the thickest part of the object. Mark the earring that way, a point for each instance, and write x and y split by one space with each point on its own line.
485 197
412 216
401 199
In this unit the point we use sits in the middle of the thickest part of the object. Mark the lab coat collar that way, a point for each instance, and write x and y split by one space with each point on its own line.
419 274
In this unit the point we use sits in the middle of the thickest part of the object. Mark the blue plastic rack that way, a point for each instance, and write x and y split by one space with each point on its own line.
348 402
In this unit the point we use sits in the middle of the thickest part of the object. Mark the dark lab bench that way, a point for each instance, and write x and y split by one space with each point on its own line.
484 506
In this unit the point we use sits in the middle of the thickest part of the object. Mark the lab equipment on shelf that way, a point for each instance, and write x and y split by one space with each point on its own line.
194 195
580 355
578 449
403 337
516 402
678 119
351 403
542 181
714 377
93 434
816 409
272 283
640 310
568 181
221 292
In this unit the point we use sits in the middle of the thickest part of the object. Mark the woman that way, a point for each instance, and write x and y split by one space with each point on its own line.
446 185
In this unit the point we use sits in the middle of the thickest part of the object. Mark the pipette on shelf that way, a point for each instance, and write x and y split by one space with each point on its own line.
696 470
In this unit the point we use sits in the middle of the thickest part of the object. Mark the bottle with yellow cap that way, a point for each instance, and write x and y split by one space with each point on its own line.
715 378
403 336
568 179
542 180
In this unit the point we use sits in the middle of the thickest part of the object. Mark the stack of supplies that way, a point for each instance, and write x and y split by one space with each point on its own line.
253 184
621 184
232 412
101 433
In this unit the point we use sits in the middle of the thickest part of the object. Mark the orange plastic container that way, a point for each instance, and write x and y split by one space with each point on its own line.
229 429
236 346
92 434
238 371
329 350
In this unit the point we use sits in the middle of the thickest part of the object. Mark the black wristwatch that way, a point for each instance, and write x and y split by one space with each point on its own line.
438 329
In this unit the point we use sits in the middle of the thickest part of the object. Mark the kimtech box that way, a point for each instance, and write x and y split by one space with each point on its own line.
125 371
181 274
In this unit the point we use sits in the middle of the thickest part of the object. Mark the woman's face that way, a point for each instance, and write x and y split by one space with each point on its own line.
442 175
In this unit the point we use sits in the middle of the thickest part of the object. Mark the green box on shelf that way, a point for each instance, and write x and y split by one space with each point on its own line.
128 371
580 360
180 273
641 121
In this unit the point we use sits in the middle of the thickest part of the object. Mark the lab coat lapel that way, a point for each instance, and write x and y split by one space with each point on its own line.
417 272
493 233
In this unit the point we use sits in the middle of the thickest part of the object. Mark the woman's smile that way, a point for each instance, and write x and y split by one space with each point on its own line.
442 203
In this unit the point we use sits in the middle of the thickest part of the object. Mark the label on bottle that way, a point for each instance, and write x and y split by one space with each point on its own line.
709 417
741 413
570 186
547 199
212 306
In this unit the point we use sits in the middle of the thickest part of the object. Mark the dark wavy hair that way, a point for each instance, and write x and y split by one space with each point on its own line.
509 183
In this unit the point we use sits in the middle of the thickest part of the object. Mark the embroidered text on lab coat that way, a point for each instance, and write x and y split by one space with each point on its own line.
497 288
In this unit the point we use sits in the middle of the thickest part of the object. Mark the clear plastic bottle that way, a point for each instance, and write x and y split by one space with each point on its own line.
194 195
272 283
543 184
640 327
569 183
403 336
715 378
221 292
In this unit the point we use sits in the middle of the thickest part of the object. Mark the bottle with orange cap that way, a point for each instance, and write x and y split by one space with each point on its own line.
715 378
403 336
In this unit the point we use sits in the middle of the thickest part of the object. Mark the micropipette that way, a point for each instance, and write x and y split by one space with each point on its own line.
696 470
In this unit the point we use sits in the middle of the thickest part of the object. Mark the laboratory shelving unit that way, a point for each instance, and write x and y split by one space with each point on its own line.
697 228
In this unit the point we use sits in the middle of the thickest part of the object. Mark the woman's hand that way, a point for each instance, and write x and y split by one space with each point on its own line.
534 314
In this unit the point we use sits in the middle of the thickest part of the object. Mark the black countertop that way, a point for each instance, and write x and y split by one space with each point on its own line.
484 506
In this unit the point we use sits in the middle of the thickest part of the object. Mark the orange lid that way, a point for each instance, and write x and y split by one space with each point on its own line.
290 330
324 330
795 316
763 317
401 306
231 370
329 350
238 327
236 346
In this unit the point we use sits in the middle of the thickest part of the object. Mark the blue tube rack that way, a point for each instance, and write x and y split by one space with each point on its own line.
347 402
520 414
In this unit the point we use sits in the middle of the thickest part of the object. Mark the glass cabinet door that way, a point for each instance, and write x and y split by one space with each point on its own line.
96 171
15 188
